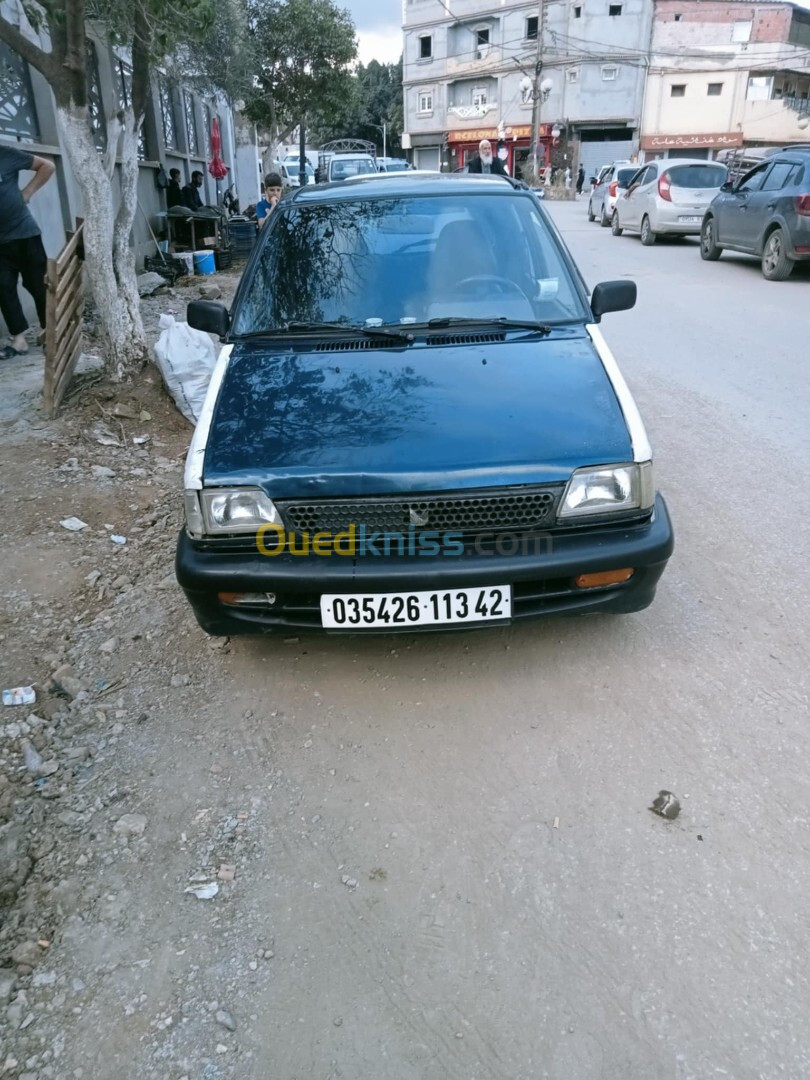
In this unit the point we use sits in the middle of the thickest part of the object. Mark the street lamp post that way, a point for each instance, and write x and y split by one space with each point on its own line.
384 129
539 92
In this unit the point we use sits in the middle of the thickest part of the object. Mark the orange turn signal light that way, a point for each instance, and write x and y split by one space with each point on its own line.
607 577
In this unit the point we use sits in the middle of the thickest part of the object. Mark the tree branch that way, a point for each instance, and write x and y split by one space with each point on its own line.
141 62
44 62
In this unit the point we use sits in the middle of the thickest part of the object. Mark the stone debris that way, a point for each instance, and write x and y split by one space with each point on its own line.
224 1019
73 524
131 825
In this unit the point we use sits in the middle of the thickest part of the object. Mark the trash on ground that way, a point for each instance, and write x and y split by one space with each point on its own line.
139 440
556 824
121 540
204 892
103 435
20 695
666 805
186 359
73 524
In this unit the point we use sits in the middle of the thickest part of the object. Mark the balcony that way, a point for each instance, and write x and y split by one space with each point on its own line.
775 121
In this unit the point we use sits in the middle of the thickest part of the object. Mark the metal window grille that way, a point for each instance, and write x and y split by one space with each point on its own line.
18 116
191 123
124 73
207 133
167 112
95 102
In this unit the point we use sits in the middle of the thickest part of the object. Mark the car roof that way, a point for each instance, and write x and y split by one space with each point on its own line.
672 163
412 182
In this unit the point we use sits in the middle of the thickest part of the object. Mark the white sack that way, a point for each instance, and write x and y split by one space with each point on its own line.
186 359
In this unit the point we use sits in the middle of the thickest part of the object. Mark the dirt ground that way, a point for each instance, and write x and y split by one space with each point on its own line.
428 857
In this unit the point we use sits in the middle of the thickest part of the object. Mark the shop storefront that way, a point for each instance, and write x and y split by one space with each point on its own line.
513 144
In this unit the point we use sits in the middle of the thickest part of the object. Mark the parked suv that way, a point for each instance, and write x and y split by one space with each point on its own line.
668 197
766 213
602 202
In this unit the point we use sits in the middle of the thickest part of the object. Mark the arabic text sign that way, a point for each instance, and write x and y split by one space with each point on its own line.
719 139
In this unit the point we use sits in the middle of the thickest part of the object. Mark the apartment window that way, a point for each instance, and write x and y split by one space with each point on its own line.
714 89
18 117
426 47
759 87
482 36
609 73
479 96
614 9
577 12
677 90
741 31
426 101
531 28
572 75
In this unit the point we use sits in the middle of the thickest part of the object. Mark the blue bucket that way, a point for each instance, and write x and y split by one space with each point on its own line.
204 262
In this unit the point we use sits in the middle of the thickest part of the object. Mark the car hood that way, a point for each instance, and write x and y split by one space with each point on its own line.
303 422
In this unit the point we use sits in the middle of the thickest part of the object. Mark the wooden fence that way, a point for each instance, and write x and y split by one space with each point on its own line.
63 315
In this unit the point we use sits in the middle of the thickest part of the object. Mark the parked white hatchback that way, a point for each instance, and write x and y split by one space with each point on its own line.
668 197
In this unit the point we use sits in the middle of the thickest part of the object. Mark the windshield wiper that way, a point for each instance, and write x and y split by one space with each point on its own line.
506 324
347 328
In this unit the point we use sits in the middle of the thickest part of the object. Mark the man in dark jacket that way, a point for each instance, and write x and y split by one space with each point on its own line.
174 193
191 192
486 162
21 252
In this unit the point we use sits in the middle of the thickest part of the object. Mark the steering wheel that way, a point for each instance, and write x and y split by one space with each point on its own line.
504 285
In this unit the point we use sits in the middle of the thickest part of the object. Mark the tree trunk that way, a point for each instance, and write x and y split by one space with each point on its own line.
110 261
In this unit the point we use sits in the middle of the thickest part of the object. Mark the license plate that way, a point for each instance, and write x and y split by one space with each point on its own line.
391 611
690 219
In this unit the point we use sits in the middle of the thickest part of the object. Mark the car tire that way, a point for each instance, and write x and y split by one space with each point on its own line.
604 220
591 214
710 250
614 224
776 263
647 235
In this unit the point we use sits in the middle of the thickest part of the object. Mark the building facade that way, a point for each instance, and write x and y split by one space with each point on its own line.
726 75
471 75
176 134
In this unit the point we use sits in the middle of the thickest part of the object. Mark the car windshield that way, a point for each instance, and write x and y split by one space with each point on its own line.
403 261
396 166
353 167
698 176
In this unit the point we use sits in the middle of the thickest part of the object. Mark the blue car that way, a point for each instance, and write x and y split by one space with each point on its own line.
415 423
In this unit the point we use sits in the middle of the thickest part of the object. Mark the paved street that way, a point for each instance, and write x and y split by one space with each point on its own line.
444 855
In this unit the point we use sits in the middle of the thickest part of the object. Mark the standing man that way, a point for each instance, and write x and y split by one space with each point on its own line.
191 192
174 193
580 179
485 162
21 252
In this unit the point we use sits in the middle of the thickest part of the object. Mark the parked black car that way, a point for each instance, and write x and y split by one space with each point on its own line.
415 422
765 213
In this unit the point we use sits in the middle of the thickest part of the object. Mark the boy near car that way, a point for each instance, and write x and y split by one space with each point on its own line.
22 255
272 193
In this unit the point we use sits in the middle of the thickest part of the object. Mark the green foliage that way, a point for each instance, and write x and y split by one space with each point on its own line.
376 99
304 49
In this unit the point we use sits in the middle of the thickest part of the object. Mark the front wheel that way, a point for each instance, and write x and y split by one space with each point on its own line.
647 235
776 263
591 214
604 220
709 248
615 228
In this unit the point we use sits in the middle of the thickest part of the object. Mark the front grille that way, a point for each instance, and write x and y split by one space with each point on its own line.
505 509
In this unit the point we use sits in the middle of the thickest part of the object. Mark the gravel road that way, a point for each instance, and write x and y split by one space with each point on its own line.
434 854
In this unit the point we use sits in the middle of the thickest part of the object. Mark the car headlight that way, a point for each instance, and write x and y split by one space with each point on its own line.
235 510
608 489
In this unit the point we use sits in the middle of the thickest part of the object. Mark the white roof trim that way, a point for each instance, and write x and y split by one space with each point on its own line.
642 451
199 440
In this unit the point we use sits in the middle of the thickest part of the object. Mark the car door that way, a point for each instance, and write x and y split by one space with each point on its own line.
763 203
732 212
637 196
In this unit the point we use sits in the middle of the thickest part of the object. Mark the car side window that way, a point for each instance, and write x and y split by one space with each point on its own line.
777 176
650 174
641 177
753 181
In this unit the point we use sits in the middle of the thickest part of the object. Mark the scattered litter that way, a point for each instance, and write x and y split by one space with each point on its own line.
666 805
139 440
120 540
226 872
102 435
20 695
556 824
204 892
73 524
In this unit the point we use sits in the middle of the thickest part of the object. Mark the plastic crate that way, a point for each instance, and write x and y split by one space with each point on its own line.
223 258
242 236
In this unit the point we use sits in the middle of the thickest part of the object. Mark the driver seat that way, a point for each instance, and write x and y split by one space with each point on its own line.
461 251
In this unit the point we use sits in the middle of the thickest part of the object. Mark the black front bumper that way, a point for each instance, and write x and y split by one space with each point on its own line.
542 577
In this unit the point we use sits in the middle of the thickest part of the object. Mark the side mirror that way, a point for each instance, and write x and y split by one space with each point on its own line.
208 315
612 296
728 186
